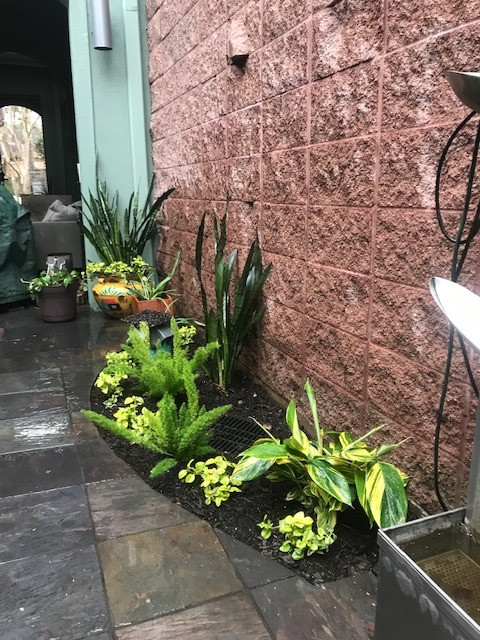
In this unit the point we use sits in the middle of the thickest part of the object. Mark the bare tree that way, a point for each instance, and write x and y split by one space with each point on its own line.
19 127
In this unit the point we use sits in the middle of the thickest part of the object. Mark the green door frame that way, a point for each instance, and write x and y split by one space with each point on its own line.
112 102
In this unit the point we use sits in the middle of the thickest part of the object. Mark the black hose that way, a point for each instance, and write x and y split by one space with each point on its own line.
461 247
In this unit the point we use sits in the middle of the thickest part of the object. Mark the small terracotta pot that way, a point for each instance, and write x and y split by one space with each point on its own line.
164 304
58 304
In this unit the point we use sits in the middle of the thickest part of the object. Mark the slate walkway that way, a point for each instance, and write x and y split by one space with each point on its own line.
87 549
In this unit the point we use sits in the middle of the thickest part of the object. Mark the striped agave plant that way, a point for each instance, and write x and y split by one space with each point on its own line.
237 309
117 236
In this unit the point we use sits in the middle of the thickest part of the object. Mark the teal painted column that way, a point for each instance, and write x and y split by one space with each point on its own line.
112 102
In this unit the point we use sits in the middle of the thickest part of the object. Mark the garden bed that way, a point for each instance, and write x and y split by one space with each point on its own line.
355 548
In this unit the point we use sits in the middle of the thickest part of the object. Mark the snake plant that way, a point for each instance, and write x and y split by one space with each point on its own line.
116 236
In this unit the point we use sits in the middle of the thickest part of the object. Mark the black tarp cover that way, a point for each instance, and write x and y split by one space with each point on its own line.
17 256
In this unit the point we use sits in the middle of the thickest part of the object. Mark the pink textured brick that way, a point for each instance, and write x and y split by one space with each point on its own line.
343 173
214 97
187 71
244 30
336 408
285 177
335 356
214 140
171 12
164 179
410 247
184 214
283 229
285 120
284 375
243 132
183 113
175 240
182 148
211 14
242 222
157 92
415 91
285 62
210 180
211 57
280 16
153 32
411 21
285 283
151 7
345 104
283 328
154 70
181 39
402 391
243 85
406 320
339 237
234 5
244 179
344 34
409 164
337 298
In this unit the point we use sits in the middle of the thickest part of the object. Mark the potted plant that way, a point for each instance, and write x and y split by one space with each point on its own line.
116 280
119 239
56 292
148 296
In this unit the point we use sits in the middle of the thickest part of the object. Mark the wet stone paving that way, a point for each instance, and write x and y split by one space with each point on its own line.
88 550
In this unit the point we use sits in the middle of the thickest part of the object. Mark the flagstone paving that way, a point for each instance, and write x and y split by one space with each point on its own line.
88 550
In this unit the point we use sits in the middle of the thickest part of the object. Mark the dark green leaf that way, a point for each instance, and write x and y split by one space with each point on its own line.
329 479
251 468
266 450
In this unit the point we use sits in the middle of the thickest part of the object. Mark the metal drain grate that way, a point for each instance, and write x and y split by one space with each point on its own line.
459 576
232 435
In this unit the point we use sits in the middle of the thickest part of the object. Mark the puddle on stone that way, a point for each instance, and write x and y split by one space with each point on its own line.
452 559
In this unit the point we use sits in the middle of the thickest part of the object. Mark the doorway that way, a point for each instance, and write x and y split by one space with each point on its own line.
36 76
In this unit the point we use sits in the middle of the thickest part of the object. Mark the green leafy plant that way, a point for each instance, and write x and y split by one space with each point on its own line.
215 476
129 416
178 433
118 236
158 371
133 270
56 278
148 290
299 536
330 472
235 315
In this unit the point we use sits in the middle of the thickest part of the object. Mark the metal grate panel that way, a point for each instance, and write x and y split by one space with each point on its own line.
232 434
459 576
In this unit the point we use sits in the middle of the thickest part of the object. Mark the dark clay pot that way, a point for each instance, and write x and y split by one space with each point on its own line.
58 304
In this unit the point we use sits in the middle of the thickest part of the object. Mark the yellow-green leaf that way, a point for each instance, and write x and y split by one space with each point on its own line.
250 468
330 480
359 454
385 494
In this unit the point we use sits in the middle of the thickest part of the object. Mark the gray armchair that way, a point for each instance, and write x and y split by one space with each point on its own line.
54 237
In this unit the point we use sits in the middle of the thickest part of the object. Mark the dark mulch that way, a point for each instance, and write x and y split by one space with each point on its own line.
355 548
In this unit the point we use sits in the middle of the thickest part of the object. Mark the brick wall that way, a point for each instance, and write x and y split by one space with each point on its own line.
328 142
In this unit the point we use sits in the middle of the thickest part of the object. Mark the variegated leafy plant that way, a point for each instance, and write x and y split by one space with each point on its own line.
330 472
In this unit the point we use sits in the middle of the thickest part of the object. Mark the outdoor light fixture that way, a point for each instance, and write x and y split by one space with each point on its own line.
101 26
462 308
